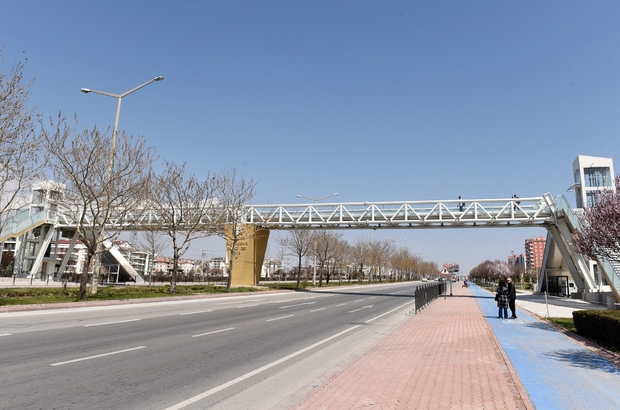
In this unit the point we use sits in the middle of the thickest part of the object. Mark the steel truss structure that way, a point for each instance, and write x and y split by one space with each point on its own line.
479 213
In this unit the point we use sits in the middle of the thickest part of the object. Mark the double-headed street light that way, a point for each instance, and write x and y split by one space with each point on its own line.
118 112
113 147
316 200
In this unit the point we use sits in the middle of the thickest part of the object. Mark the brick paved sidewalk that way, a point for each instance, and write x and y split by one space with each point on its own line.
445 357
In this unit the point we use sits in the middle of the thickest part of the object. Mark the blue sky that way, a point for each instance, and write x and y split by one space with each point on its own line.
378 101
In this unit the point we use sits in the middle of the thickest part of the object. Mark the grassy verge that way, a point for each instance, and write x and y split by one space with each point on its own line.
565 322
29 296
32 296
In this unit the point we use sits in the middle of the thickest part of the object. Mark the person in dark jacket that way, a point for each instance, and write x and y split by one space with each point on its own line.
512 296
502 299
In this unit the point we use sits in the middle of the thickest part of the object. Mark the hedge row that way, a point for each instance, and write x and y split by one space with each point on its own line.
602 326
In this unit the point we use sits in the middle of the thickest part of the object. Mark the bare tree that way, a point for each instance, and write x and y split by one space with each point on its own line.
153 242
400 262
381 253
360 255
342 255
234 193
299 243
185 207
97 190
282 257
326 243
20 161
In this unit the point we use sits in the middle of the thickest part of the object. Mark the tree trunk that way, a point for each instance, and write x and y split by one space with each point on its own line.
84 278
299 273
232 258
175 266
94 285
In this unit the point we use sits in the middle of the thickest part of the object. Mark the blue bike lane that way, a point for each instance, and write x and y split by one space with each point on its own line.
556 371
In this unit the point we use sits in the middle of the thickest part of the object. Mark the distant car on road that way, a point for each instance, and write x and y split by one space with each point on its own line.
424 280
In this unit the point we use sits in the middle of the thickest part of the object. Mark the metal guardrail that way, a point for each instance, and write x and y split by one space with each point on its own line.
426 293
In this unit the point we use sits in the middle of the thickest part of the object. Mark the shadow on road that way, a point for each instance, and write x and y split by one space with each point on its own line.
584 359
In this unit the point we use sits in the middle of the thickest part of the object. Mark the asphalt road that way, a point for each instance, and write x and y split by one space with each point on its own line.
262 351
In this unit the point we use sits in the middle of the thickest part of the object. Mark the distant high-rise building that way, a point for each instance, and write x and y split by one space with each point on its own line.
517 260
534 253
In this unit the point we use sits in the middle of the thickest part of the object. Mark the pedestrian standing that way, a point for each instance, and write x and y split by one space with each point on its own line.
512 297
461 205
502 299
515 202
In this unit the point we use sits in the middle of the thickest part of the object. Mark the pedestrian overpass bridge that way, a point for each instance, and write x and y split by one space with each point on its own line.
553 214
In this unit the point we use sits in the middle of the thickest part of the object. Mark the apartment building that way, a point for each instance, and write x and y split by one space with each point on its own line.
534 253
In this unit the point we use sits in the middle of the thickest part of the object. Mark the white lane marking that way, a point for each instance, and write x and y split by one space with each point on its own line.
240 301
316 310
372 297
362 308
300 304
97 356
359 300
239 379
342 304
215 331
278 318
112 323
389 311
241 307
194 313
6 334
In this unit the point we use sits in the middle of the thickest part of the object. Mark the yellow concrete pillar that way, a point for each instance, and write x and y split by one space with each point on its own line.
249 255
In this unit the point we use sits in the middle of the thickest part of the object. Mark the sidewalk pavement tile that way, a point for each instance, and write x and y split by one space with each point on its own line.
445 357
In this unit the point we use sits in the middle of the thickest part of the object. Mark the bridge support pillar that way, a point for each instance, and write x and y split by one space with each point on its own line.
250 255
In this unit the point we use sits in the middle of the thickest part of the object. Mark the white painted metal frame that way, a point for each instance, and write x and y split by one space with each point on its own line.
527 212
407 214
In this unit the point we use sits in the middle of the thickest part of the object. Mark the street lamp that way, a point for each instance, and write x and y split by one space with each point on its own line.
316 201
113 147
118 112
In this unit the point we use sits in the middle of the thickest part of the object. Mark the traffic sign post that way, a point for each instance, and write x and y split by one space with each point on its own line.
449 269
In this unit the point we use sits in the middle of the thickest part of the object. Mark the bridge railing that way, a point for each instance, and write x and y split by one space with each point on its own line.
407 214
479 212
24 221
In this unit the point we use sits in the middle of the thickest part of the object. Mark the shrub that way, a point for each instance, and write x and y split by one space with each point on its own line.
602 326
